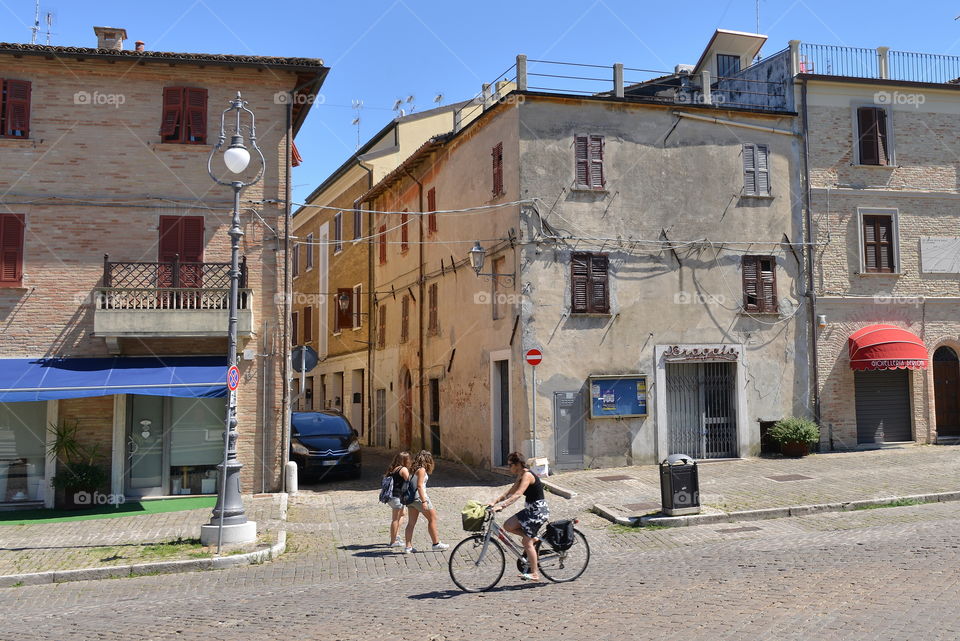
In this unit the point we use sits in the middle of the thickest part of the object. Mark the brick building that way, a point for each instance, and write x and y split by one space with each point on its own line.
115 258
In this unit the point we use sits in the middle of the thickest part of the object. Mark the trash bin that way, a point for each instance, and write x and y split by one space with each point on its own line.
679 485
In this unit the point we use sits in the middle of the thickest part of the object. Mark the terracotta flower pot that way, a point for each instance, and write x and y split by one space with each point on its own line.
795 449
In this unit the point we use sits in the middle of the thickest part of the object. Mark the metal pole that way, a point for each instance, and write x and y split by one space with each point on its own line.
303 374
534 410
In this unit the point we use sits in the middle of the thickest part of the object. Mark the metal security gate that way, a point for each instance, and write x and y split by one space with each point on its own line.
883 405
568 414
701 409
380 420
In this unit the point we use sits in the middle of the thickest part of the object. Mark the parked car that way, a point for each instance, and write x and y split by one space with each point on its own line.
324 444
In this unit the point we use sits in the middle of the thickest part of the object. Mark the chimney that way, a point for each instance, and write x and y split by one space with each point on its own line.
110 38
139 45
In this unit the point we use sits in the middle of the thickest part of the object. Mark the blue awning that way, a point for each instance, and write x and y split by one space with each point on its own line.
42 379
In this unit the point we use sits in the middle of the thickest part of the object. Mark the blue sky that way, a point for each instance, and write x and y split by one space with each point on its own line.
381 51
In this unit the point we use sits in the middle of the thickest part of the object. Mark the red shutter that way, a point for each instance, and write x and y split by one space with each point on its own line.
403 232
307 324
172 114
581 156
191 251
382 242
11 249
599 290
579 283
295 158
18 109
196 108
382 327
596 162
432 207
497 154
751 287
768 283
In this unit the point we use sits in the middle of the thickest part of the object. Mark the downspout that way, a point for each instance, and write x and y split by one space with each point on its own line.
421 284
287 296
808 232
370 300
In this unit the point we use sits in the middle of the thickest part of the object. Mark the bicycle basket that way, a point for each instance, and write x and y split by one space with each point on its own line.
559 534
473 515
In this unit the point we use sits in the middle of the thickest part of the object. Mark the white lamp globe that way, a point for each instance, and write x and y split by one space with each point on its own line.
236 159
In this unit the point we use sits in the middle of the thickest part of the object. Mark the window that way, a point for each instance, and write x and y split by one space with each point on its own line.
756 170
432 208
727 65
295 259
338 232
357 320
498 264
404 238
382 327
294 323
879 249
433 325
382 243
759 284
588 151
589 284
184 115
404 319
24 433
873 144
309 249
497 155
307 324
357 223
15 108
343 318
11 251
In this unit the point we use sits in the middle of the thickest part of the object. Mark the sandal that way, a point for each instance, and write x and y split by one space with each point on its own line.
529 577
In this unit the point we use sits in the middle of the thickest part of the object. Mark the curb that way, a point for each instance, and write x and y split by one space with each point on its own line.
163 567
767 513
559 491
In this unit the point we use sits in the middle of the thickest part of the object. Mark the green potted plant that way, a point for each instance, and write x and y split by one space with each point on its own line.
795 435
78 477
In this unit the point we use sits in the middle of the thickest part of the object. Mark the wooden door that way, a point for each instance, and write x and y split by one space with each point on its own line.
946 390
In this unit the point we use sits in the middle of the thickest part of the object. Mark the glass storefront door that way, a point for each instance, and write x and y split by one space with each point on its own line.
23 433
145 446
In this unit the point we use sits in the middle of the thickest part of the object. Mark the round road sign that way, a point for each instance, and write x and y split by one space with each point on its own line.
533 356
233 378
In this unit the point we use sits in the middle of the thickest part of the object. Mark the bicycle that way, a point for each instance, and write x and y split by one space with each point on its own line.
477 562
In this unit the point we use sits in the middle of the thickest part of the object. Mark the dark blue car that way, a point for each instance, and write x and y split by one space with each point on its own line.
324 444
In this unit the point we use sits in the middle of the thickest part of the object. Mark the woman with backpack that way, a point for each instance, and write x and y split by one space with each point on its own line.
420 504
398 472
528 521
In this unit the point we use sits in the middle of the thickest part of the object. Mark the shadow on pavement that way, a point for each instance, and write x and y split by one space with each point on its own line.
449 594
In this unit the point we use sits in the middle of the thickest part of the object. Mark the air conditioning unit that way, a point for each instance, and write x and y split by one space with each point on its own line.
683 69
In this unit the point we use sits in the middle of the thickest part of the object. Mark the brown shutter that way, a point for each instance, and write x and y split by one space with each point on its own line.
294 317
596 162
404 319
869 141
295 158
307 324
878 244
432 208
344 317
168 249
581 156
497 155
11 249
883 151
579 283
382 242
172 113
768 283
382 327
191 249
434 324
751 285
599 289
404 238
196 107
18 109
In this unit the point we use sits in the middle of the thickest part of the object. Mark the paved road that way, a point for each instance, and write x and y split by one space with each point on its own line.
877 574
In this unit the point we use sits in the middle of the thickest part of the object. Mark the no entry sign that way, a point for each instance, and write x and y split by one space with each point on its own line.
233 378
533 356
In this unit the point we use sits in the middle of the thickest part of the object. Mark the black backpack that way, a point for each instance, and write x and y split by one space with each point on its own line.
559 534
408 491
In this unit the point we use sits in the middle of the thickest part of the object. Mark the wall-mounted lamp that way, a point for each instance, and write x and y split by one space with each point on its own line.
821 320
477 256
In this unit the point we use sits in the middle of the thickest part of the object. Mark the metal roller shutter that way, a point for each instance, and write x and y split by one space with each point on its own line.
883 406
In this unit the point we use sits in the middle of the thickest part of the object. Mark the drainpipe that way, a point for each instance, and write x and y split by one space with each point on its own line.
808 232
370 299
421 284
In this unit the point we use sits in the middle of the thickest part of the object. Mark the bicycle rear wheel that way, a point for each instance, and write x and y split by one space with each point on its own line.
567 565
472 573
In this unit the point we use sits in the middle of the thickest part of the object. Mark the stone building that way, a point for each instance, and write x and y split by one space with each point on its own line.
114 281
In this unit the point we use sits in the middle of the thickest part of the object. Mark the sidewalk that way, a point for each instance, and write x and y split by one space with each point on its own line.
730 488
124 541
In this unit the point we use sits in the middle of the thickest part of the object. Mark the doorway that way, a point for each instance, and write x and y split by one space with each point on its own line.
406 410
946 392
702 409
501 411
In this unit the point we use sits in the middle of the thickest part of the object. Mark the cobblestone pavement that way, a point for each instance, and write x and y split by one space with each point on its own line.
749 484
116 541
874 574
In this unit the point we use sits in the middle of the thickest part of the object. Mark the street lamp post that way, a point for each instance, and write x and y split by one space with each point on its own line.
229 522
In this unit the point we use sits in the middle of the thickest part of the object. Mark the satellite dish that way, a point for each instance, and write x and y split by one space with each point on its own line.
438 98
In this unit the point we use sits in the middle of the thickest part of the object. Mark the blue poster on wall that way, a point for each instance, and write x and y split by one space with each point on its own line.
618 396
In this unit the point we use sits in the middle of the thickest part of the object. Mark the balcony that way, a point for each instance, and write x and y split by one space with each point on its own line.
168 300
880 63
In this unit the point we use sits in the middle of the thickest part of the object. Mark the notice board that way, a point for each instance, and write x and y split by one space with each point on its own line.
618 396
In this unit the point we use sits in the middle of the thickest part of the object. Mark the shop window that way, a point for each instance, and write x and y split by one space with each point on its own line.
23 431
196 444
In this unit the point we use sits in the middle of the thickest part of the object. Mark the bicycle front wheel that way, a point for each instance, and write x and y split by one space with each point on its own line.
475 569
567 565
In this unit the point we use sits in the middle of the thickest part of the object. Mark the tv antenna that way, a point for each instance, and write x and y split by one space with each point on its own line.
36 23
410 100
49 20
438 99
357 106
398 107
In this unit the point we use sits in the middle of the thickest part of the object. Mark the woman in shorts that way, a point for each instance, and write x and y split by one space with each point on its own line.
528 521
399 469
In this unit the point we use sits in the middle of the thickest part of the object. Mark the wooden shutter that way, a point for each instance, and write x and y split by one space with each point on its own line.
432 208
599 289
17 116
763 170
872 132
168 250
404 319
195 101
434 324
581 147
750 169
191 249
172 113
596 162
404 238
767 266
295 259
11 249
881 126
294 317
382 327
497 154
357 223
307 324
751 283
579 283
878 244
344 317
382 242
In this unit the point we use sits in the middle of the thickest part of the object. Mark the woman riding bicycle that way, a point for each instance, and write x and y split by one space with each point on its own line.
528 521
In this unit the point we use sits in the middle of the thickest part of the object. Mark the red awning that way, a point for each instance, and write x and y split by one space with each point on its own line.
886 347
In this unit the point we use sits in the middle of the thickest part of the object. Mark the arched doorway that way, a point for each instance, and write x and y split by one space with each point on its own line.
946 391
406 409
